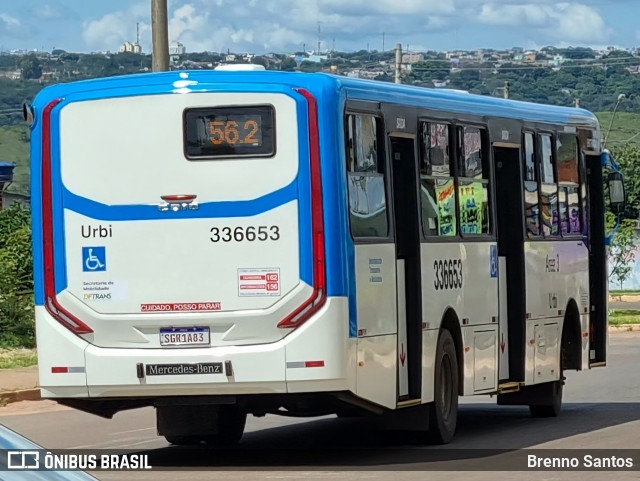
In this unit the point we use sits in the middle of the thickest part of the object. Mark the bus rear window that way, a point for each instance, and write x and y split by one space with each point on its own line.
225 132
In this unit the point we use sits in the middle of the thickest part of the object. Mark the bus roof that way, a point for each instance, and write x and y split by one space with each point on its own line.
321 83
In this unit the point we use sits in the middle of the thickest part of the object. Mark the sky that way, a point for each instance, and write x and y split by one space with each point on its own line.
262 26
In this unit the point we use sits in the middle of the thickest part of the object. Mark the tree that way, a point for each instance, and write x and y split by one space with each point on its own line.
628 157
30 67
623 245
622 250
288 64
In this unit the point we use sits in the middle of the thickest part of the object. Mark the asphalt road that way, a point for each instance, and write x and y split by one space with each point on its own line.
601 411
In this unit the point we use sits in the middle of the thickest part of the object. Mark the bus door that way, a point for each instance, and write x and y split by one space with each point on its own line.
511 220
407 237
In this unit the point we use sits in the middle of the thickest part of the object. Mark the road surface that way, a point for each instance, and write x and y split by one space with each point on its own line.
601 411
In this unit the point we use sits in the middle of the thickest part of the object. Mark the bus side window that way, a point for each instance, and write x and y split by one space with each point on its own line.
365 177
532 208
473 182
437 190
568 183
548 188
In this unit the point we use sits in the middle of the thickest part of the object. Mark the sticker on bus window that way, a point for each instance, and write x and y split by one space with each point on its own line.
259 282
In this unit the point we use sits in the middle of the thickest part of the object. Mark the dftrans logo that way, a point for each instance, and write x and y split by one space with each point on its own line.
23 460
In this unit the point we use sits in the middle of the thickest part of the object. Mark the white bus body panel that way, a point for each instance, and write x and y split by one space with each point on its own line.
257 369
123 152
377 323
555 273
475 304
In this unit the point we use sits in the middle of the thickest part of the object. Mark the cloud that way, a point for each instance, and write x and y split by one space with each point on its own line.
568 22
48 12
9 22
285 25
110 31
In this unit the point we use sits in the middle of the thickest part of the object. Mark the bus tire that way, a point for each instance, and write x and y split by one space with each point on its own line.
443 412
231 424
551 405
183 440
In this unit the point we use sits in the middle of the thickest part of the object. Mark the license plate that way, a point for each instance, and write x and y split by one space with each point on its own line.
184 336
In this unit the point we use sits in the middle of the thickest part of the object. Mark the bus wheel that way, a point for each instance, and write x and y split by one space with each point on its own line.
231 422
443 412
183 440
551 402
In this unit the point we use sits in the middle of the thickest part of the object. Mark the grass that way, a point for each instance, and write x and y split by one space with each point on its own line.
618 317
625 127
13 358
624 292
14 148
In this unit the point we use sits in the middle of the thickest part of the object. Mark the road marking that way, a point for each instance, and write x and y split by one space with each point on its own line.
132 431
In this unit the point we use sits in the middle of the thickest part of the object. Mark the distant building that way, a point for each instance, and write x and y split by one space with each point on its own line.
12 74
316 58
411 58
8 198
6 177
129 47
176 48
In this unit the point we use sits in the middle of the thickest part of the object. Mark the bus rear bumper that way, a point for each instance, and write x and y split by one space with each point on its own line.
313 358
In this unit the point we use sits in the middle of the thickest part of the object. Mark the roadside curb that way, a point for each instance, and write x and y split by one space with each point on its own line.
7 397
625 328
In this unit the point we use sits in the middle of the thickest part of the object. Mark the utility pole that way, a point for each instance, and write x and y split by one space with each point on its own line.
319 38
577 103
398 61
506 89
383 41
160 35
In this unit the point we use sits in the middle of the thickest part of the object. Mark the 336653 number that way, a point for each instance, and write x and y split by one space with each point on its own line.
448 274
239 234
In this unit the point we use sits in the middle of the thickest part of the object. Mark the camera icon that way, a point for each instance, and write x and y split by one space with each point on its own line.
23 460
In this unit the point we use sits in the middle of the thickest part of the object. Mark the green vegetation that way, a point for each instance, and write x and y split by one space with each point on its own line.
624 292
14 148
13 358
625 130
623 246
619 317
16 279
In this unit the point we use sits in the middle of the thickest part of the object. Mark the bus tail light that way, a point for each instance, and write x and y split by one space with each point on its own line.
51 303
319 295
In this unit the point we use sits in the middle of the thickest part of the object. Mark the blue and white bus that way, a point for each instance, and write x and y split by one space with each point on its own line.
223 243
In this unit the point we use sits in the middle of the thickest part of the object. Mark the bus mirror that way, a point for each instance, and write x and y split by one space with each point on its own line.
617 195
27 113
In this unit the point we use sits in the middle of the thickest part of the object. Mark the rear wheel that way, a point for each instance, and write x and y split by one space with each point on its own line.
231 423
183 440
551 402
191 425
443 412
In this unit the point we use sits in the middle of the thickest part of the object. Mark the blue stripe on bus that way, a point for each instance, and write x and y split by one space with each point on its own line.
63 198
340 248
331 92
241 208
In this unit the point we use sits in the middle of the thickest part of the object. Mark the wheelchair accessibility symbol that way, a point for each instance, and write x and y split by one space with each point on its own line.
94 259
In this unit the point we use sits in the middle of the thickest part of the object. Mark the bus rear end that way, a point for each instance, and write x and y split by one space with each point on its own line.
179 243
